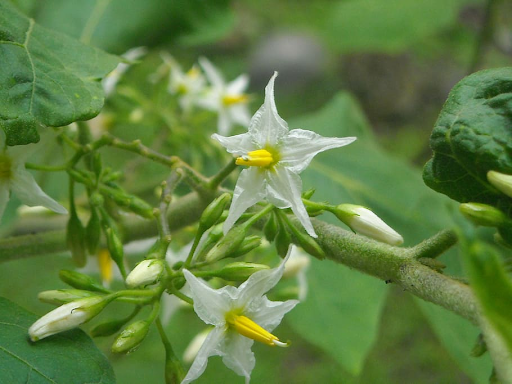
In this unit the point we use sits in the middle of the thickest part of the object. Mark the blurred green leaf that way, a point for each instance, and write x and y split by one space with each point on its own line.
473 135
387 25
45 78
67 358
493 290
364 174
118 25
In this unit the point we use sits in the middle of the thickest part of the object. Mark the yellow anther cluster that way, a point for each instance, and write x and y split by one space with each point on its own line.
248 328
230 100
258 158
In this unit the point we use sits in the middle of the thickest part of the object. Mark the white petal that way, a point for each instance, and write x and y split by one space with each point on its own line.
284 190
300 146
239 113
4 196
238 86
213 75
266 126
27 190
270 313
249 189
238 355
224 123
238 145
210 347
258 284
209 304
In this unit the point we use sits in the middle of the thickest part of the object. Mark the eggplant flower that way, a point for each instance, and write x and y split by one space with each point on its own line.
275 157
14 178
240 316
227 99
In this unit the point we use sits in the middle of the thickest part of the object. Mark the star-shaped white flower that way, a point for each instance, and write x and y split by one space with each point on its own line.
109 83
14 178
227 99
240 316
275 157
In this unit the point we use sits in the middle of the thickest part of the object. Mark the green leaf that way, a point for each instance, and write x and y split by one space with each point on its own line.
472 136
341 313
67 358
45 78
362 173
118 25
493 290
387 25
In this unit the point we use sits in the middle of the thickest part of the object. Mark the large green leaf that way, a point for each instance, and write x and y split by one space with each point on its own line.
473 135
493 290
46 78
387 25
362 173
117 25
67 358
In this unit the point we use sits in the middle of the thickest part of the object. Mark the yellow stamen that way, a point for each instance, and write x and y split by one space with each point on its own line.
105 265
5 167
193 72
248 328
258 158
234 99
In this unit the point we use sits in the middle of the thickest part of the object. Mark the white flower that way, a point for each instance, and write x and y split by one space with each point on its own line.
240 316
145 273
66 317
227 99
109 83
365 222
188 86
16 179
276 156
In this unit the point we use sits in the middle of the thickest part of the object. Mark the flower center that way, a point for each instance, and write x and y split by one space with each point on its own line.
5 167
234 99
258 158
248 328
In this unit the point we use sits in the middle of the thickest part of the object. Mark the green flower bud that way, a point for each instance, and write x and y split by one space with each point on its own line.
308 194
97 165
228 244
67 316
212 238
501 181
309 245
96 200
115 247
483 214
80 281
130 202
75 238
145 273
131 337
93 232
249 243
213 212
159 249
239 271
270 229
63 296
282 241
108 328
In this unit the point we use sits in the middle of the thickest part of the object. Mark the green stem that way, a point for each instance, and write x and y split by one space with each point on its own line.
174 372
182 296
258 215
217 179
46 168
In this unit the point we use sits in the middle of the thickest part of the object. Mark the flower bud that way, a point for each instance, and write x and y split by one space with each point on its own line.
282 241
483 214
108 328
309 245
63 296
239 271
145 273
67 316
249 243
80 281
367 223
115 247
213 212
308 194
75 238
501 181
131 202
93 232
270 229
131 337
228 244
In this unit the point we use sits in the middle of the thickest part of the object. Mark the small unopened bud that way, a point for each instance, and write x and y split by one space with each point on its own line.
131 337
228 244
63 296
239 271
75 238
270 229
483 214
282 241
108 328
249 243
93 232
367 223
309 245
131 202
213 212
309 193
501 181
115 247
145 273
67 316
80 281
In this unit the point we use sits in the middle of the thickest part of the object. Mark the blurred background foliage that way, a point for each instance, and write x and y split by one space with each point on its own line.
376 69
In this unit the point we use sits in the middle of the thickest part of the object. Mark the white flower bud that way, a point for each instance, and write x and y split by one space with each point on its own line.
501 182
365 222
66 317
145 273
